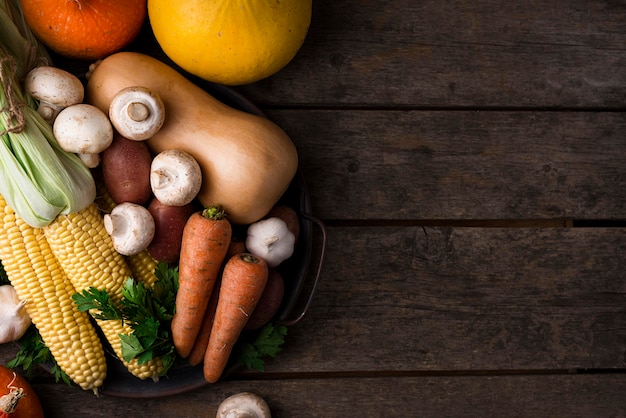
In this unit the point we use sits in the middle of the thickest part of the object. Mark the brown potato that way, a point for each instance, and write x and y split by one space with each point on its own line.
237 246
270 301
126 170
169 224
289 215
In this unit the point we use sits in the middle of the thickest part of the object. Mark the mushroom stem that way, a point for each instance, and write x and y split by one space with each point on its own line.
55 89
161 178
175 177
131 228
90 160
138 112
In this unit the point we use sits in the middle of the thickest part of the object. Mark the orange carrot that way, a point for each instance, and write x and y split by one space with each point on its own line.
205 240
243 281
196 356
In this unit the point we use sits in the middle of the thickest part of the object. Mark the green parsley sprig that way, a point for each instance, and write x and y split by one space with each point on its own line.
268 343
148 311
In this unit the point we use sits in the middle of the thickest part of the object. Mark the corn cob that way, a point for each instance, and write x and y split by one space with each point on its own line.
85 251
143 264
38 278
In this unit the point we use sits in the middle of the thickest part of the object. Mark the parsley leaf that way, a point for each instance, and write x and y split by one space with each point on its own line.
99 302
147 310
268 343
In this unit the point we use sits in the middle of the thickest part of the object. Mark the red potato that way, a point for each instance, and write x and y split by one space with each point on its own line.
237 246
287 214
270 301
169 225
126 170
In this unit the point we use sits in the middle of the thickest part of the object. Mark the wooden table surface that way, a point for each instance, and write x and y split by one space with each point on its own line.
468 160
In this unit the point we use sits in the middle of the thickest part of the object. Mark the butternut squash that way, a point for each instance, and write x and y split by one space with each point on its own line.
247 160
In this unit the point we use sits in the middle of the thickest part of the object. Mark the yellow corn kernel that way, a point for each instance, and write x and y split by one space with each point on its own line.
38 278
143 266
111 330
85 252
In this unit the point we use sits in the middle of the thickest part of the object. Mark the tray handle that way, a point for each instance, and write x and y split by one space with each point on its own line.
307 305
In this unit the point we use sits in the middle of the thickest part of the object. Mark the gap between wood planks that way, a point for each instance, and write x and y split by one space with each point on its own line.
482 223
418 373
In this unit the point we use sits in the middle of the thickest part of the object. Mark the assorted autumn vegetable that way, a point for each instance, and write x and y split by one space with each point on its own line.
247 161
38 179
244 404
54 89
146 310
243 282
119 203
14 320
204 244
59 323
17 397
271 240
137 113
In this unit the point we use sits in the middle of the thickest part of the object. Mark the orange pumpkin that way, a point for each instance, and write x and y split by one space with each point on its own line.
17 398
85 29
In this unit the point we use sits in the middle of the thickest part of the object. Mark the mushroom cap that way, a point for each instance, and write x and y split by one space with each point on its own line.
131 227
54 86
244 405
175 177
137 113
83 129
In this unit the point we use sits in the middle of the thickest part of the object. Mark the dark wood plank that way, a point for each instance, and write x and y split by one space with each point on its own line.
530 303
511 396
568 54
461 165
464 299
416 299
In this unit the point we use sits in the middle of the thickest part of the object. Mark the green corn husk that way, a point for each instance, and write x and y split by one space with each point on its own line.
19 40
38 179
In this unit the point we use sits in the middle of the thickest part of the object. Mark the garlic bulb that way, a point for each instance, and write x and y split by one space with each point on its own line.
271 240
14 320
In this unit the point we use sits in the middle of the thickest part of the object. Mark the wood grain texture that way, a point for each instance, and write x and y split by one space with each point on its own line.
461 165
450 396
416 299
567 54
412 118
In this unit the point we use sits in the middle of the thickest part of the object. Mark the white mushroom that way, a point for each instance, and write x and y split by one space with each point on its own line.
137 113
175 177
55 89
244 405
83 129
131 227
90 160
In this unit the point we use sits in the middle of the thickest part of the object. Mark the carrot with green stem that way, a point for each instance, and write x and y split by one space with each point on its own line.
204 243
243 281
